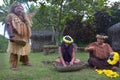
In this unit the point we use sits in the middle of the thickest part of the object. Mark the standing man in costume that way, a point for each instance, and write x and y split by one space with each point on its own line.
99 54
18 28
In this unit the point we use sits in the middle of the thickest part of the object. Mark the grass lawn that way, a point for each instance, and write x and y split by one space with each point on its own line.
40 71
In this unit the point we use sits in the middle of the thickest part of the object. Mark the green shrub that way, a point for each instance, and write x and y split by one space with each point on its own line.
3 44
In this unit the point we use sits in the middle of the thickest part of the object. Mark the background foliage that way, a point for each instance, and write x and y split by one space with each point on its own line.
3 44
82 19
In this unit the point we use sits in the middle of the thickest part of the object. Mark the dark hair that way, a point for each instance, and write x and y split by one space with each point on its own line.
102 34
13 6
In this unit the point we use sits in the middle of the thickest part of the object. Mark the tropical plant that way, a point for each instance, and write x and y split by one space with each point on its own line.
56 13
107 17
115 12
3 44
5 7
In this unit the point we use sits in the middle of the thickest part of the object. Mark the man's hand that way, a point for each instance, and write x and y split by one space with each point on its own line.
92 48
112 53
12 39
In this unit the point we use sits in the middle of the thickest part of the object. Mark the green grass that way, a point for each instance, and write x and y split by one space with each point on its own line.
40 71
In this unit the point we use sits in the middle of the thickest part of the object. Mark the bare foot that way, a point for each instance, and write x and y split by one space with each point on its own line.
115 68
14 68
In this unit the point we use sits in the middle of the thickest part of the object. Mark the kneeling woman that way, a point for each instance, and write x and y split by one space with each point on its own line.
67 52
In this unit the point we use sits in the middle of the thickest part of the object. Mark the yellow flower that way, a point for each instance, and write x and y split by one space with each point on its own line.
108 73
99 71
114 60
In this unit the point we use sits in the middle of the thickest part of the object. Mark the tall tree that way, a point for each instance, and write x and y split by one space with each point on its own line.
57 12
53 14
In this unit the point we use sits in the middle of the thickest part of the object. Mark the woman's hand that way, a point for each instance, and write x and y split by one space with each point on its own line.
64 65
71 63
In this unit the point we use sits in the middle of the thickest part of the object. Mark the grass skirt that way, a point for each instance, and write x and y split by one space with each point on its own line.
18 49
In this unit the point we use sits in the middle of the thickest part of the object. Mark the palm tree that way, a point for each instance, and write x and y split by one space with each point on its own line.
5 7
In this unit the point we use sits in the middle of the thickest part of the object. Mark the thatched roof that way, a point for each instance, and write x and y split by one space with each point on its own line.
115 28
39 38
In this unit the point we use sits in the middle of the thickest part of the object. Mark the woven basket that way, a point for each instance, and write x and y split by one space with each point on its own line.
77 66
20 42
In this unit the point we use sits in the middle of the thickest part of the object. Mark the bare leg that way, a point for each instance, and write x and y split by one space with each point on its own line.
77 61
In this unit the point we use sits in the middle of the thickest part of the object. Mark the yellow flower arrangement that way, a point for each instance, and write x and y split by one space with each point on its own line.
68 39
114 59
108 73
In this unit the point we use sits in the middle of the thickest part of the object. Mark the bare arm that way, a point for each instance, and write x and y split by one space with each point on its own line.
89 48
111 52
60 54
73 57
10 31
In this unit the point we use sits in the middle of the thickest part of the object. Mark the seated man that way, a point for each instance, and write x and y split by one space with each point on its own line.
99 53
67 52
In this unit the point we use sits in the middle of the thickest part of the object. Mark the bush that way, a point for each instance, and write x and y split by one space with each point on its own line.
3 44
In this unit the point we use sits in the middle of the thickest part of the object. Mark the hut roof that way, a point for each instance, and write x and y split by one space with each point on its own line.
41 33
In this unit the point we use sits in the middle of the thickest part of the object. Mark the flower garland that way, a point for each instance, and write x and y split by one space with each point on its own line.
114 59
68 39
108 73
